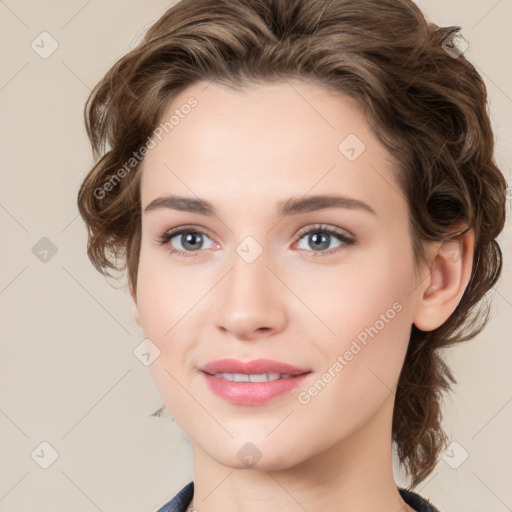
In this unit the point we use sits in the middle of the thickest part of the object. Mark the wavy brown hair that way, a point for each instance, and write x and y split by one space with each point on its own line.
428 108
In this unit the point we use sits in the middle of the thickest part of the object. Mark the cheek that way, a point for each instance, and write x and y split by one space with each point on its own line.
169 321
368 290
362 364
164 292
171 313
369 311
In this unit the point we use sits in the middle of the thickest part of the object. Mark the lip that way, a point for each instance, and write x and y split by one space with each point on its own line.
251 393
255 366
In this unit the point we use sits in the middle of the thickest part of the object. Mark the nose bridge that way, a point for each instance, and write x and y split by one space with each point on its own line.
251 298
249 266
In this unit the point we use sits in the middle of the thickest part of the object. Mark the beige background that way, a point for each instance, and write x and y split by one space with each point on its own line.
68 373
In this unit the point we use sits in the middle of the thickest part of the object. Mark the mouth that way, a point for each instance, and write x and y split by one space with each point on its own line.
251 383
257 367
252 377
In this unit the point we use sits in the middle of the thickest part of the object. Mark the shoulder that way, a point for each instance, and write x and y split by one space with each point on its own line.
417 502
181 501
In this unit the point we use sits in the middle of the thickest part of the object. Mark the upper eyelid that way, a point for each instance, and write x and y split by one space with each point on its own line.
171 233
305 229
325 227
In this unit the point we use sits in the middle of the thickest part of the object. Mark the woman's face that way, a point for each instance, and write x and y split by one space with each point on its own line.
265 271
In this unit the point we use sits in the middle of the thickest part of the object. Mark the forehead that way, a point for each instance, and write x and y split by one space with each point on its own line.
266 141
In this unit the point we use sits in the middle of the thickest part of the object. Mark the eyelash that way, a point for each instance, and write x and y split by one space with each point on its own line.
318 228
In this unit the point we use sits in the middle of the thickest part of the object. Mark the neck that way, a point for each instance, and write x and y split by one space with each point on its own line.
355 474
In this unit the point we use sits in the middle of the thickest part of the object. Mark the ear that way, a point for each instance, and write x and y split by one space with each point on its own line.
136 313
449 275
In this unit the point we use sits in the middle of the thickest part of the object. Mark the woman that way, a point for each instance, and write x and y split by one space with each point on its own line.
305 197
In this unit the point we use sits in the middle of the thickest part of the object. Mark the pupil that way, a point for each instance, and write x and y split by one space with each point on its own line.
316 239
189 239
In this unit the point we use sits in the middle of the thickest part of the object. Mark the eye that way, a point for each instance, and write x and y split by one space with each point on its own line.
320 238
190 239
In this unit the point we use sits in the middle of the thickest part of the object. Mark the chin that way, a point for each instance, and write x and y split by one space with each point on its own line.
266 464
260 455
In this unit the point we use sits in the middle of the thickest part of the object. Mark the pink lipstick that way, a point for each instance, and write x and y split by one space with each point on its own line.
251 383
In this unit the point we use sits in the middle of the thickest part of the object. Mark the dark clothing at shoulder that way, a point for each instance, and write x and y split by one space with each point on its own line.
416 501
182 500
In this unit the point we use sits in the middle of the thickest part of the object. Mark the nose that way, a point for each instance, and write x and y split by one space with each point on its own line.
250 303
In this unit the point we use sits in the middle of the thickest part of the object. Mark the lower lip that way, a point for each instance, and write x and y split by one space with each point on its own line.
251 393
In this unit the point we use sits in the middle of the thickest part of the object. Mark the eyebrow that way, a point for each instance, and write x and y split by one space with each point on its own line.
291 206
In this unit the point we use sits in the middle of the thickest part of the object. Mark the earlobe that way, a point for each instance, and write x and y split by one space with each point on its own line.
450 272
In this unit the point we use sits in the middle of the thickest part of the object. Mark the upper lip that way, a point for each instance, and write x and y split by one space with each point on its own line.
257 366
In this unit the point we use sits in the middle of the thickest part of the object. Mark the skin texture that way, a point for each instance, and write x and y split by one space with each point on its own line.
244 151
